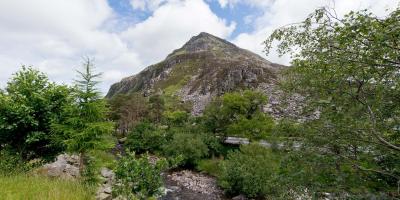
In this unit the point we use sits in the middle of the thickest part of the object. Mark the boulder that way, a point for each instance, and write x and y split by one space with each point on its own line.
66 167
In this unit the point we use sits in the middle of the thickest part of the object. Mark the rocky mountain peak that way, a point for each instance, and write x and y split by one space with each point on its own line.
204 67
205 42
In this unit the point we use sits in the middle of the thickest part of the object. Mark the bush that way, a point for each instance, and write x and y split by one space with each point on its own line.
138 178
250 171
11 163
238 114
215 148
28 105
145 137
190 146
210 166
176 118
257 127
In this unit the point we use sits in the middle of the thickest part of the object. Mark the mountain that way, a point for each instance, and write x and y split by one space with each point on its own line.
205 67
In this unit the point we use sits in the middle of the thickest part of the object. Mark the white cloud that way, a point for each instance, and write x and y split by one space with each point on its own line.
144 5
223 3
282 12
171 25
54 35
254 3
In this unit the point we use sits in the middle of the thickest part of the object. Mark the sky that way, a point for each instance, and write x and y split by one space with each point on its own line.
125 36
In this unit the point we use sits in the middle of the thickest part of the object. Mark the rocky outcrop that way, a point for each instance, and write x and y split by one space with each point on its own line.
65 167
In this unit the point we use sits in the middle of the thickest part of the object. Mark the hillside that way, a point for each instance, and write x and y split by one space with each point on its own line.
205 67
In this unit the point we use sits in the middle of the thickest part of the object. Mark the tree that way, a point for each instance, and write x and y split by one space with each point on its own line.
157 107
145 137
190 147
28 106
128 110
234 114
84 123
348 68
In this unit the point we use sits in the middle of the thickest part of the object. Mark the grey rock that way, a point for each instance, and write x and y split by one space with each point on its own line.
107 190
104 196
240 197
106 173
65 166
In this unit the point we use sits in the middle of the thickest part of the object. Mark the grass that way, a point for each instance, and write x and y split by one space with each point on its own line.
103 159
24 187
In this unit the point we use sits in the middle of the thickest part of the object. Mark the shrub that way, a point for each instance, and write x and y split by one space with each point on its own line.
190 146
210 166
145 137
138 178
250 171
215 148
176 118
11 163
28 105
257 127
239 114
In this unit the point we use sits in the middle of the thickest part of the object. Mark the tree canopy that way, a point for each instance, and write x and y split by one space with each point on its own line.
28 106
349 69
84 125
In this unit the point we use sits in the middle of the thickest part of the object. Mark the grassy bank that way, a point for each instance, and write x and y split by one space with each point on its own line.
36 187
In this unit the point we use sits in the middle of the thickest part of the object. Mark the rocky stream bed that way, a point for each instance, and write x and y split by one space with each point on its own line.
180 184
190 185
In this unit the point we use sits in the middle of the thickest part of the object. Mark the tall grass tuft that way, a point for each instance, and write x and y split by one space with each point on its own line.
24 187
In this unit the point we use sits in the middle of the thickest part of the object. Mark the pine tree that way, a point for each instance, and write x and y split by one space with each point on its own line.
85 126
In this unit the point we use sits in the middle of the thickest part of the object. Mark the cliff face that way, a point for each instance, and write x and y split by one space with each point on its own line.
206 66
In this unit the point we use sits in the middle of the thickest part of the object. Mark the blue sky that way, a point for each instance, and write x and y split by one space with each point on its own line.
125 36
235 14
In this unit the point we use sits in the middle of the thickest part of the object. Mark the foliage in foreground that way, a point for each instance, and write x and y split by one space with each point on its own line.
41 188
251 171
138 177
28 106
12 163
349 70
